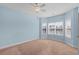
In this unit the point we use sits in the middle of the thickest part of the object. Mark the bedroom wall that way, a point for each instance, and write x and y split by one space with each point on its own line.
53 19
70 15
41 34
16 26
73 15
77 22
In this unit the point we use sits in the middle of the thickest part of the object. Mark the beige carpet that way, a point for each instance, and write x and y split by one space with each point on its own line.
40 47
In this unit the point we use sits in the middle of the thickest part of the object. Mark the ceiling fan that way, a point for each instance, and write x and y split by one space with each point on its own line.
38 7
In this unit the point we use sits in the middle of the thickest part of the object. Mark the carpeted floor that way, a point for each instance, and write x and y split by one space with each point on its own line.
40 47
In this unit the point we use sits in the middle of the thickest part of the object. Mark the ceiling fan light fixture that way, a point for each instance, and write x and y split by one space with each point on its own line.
37 9
38 6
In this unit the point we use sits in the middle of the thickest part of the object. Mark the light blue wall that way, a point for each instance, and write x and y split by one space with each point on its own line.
16 26
69 16
57 18
52 19
73 15
42 35
76 28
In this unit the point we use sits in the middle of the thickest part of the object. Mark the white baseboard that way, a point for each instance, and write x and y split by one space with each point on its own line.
69 44
14 44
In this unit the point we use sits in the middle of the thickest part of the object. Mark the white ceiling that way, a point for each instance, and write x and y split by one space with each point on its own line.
50 9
